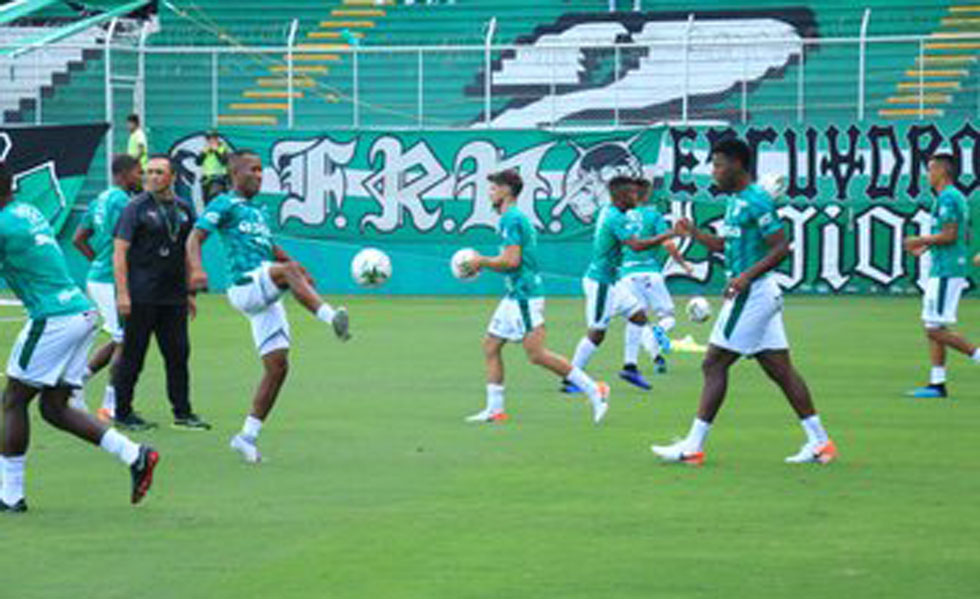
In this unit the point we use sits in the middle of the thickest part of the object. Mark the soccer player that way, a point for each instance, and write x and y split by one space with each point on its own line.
520 315
947 245
603 299
750 322
94 239
260 273
641 275
48 357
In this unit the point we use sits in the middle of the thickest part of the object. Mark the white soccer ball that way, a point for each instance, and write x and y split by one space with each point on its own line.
458 264
698 309
370 267
775 185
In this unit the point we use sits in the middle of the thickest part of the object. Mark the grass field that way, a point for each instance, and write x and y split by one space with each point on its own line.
374 487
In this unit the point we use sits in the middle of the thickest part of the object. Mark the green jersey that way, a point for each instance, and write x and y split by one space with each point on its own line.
646 221
101 218
750 217
32 263
950 260
244 229
612 228
515 228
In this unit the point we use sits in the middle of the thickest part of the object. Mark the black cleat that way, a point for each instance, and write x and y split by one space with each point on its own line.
142 472
133 422
660 365
191 422
341 324
18 508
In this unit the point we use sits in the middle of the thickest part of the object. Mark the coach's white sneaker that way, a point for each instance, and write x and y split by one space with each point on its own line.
680 452
247 448
77 400
488 415
814 453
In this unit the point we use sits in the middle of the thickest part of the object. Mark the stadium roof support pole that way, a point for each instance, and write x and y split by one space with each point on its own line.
140 89
488 75
687 65
922 82
552 88
745 84
800 90
214 89
291 42
862 57
618 66
37 82
356 92
421 99
110 132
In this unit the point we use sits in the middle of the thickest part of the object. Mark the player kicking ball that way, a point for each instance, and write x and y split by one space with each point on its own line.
947 245
260 273
520 315
49 355
750 322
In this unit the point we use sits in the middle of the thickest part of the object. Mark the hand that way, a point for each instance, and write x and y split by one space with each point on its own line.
736 286
913 243
684 227
976 260
123 305
191 306
918 251
474 264
197 280
687 267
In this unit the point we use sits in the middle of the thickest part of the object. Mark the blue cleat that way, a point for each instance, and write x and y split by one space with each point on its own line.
662 339
568 386
633 377
660 365
928 392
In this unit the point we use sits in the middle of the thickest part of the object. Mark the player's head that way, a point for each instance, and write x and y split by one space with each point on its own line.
623 192
644 188
505 186
6 184
731 163
159 173
245 168
133 122
127 172
943 170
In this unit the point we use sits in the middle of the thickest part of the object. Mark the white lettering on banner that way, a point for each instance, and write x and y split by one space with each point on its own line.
311 173
866 243
400 182
922 221
798 218
832 250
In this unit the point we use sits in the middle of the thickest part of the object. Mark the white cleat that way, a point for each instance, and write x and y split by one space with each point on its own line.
600 407
247 448
679 452
488 416
76 400
814 453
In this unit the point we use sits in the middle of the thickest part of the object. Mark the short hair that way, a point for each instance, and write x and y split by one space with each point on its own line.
643 183
949 162
211 134
6 180
134 119
123 163
736 150
237 155
508 178
170 161
619 182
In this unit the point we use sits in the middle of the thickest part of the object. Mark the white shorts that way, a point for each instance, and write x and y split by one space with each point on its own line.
53 351
604 300
651 289
752 322
941 300
104 297
513 319
259 299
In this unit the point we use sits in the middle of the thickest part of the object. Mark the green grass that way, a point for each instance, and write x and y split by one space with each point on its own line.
374 487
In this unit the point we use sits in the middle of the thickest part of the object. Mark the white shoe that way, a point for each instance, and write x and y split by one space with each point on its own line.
814 453
600 407
76 400
247 448
679 452
488 415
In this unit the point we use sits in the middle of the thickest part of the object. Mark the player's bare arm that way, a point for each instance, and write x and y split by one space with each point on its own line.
947 236
686 228
80 241
639 244
120 269
508 259
197 278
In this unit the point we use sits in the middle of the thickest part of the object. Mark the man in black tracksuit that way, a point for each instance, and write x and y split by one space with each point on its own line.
151 294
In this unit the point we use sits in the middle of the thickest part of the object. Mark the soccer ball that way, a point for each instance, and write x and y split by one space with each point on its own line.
775 185
457 264
698 309
370 267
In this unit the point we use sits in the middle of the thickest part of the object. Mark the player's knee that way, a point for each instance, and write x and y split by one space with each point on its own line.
596 336
935 332
277 366
538 357
52 411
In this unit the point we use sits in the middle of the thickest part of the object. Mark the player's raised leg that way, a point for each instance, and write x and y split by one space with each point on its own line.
294 276
539 355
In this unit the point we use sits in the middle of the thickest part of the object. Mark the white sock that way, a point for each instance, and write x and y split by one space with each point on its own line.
495 397
120 446
325 313
937 375
252 427
583 353
698 433
976 355
667 323
109 399
631 343
815 432
585 383
12 489
649 342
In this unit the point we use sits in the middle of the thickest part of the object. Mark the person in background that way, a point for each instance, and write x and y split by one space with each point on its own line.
213 161
137 147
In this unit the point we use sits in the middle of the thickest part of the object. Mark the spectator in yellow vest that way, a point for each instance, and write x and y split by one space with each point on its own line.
137 147
213 161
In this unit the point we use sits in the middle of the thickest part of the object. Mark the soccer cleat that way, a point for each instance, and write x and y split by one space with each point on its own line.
341 324
600 408
814 453
133 422
662 339
246 447
928 392
679 452
568 386
633 377
142 473
488 416
76 400
191 422
18 508
660 365
104 415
